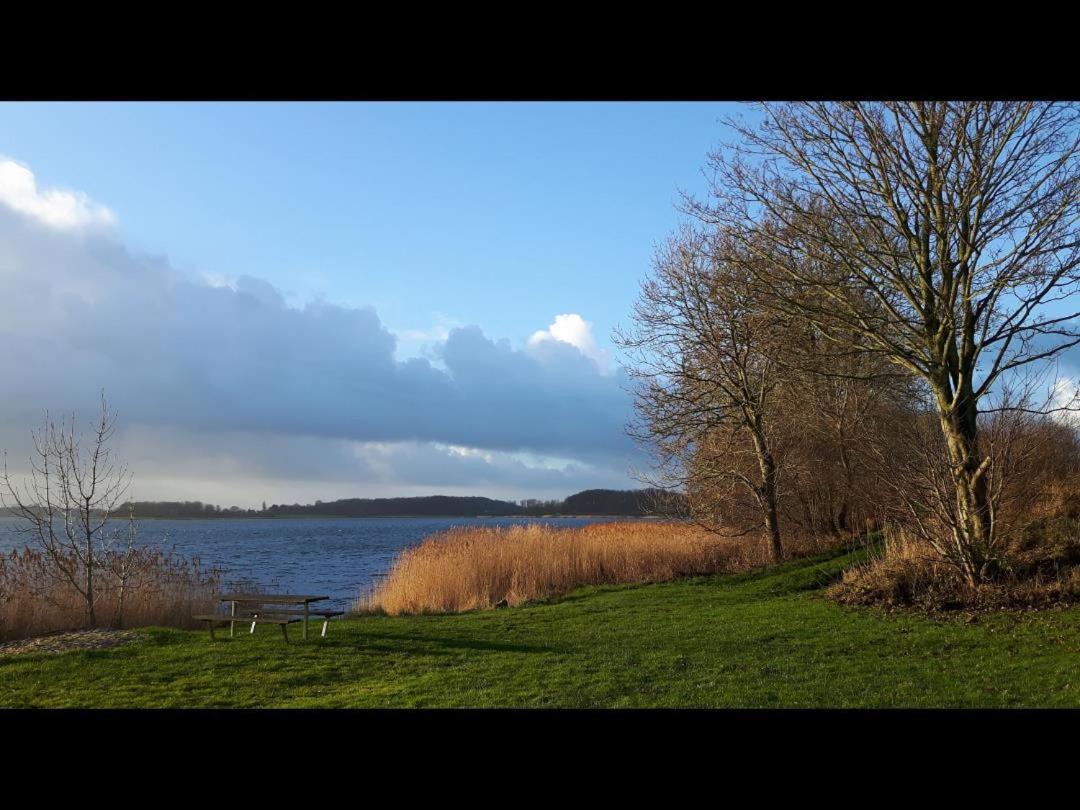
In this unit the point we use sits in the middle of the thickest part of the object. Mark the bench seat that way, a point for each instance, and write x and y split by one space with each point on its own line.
259 615
217 618
297 615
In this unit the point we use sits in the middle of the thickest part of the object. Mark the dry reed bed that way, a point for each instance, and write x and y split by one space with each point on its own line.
471 568
161 589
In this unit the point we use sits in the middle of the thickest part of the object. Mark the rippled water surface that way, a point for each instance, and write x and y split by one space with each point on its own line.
339 557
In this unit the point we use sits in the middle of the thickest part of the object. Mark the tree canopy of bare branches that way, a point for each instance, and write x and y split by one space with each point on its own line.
67 499
955 221
706 357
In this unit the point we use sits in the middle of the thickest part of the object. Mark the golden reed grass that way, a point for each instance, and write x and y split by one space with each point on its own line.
160 589
473 568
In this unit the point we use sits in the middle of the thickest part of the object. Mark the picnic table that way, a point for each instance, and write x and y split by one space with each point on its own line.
259 608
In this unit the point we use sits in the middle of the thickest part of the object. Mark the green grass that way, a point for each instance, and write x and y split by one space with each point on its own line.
761 639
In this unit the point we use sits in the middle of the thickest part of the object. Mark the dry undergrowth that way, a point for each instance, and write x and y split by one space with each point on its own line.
160 589
1040 569
472 568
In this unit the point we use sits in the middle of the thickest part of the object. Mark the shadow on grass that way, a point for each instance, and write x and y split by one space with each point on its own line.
795 576
463 644
161 636
584 592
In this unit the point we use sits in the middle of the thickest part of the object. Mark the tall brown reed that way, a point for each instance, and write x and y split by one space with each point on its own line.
471 568
149 587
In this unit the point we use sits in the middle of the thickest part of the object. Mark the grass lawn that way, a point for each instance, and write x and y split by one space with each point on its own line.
762 639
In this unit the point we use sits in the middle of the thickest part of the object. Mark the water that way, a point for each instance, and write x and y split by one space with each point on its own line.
338 557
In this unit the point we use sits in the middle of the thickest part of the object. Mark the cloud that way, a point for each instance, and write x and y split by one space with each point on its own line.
183 464
1064 401
57 208
575 331
202 363
424 342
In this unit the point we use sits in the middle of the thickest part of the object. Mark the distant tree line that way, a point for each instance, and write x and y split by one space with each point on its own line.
589 502
185 509
426 506
633 502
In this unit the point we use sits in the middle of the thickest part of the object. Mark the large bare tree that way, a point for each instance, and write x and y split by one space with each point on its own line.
957 220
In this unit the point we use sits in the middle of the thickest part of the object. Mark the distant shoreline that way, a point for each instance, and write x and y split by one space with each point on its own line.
385 517
589 503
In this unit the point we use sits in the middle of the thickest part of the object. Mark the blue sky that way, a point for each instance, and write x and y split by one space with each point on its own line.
499 214
291 301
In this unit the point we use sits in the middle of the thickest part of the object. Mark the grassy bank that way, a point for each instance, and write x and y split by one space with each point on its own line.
766 638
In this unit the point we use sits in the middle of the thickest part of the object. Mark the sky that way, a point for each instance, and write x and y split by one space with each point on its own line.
291 301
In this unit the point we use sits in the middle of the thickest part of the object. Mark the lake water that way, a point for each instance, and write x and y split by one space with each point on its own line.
339 557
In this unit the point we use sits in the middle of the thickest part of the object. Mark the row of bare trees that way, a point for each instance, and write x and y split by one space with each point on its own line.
852 324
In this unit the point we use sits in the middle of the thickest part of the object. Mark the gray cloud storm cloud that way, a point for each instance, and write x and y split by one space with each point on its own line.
228 371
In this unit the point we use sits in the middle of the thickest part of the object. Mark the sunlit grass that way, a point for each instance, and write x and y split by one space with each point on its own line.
763 638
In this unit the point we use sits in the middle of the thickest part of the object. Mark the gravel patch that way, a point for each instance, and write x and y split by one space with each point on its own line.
65 642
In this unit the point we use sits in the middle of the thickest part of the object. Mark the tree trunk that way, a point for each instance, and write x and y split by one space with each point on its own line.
842 519
772 527
973 532
91 613
120 603
767 497
841 522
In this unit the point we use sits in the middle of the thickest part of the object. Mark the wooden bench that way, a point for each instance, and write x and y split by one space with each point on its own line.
259 609
215 620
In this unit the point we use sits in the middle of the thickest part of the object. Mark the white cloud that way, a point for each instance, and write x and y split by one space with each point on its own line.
1065 395
218 280
435 334
423 343
460 451
58 208
571 328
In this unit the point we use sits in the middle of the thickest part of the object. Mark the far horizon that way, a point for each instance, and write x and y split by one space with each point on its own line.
211 508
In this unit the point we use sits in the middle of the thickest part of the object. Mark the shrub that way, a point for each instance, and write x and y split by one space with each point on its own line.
1040 570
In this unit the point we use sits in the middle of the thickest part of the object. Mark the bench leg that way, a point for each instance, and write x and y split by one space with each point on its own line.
285 632
211 630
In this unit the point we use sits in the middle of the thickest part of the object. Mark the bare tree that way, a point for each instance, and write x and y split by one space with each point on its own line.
67 500
1030 455
958 220
705 356
123 563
